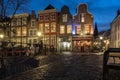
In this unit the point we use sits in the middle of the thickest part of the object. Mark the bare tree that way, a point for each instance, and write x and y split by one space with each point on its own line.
10 7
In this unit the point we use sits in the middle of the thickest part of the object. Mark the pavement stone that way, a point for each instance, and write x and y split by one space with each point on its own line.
66 66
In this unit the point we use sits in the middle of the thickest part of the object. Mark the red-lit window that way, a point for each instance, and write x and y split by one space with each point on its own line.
88 29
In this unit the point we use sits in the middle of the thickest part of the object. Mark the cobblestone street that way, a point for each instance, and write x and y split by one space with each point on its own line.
65 66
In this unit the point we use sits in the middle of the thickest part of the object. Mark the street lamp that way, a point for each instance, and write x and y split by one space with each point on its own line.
39 35
60 45
2 59
101 38
1 36
106 44
40 42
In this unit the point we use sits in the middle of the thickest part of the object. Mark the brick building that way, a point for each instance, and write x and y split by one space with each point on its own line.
82 38
65 29
48 25
60 29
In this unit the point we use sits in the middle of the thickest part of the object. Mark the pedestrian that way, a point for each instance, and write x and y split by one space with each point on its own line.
45 49
32 50
37 49
40 46
52 49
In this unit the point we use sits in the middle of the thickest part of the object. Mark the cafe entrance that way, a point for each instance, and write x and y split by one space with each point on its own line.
81 45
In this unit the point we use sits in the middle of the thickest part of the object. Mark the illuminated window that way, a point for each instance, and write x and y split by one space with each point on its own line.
53 16
78 29
46 39
62 29
32 32
82 17
41 28
47 17
69 29
53 39
24 31
64 17
18 31
46 27
53 27
87 29
91 29
32 40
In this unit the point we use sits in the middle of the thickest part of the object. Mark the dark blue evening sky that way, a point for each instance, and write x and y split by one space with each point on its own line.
104 11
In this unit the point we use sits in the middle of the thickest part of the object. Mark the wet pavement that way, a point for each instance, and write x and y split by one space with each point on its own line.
65 66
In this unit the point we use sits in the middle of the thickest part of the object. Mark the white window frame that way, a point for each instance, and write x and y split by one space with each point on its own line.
32 22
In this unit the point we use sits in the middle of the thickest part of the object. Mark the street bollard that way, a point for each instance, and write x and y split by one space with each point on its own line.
45 49
3 69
